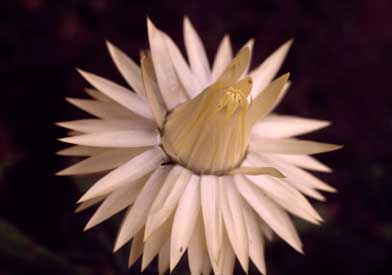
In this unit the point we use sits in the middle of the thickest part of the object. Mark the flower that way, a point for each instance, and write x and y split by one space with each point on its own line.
196 155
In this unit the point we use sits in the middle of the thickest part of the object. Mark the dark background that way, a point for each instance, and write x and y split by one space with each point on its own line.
340 65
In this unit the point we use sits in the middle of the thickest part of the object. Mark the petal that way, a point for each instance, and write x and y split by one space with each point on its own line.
104 110
223 57
212 217
99 125
130 138
264 74
231 206
152 90
128 68
171 89
82 151
135 219
126 173
167 198
226 258
185 220
189 80
136 248
107 160
89 203
252 170
164 258
255 238
279 126
115 202
196 53
304 161
250 45
118 93
97 95
263 104
269 211
199 263
290 146
155 242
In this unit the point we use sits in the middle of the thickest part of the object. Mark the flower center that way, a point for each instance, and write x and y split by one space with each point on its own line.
207 134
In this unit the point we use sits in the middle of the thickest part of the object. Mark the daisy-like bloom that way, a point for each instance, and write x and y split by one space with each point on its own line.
195 155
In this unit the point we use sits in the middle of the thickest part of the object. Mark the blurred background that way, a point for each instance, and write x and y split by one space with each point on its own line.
340 65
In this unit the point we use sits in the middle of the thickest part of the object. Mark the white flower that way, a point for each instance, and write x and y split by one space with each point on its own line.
196 155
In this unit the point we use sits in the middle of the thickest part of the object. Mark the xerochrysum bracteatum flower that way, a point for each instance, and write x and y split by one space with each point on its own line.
196 155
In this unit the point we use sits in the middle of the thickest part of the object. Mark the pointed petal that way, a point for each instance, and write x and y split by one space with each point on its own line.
115 202
264 74
99 125
226 257
267 231
255 238
128 68
250 45
270 212
126 173
304 161
230 204
171 89
81 151
136 248
89 203
164 258
223 57
136 218
252 170
196 53
212 216
118 93
189 80
156 242
167 198
107 160
185 220
263 104
199 263
290 146
104 110
279 126
152 90
97 95
118 139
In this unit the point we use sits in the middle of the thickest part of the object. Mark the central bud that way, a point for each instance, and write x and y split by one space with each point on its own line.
208 133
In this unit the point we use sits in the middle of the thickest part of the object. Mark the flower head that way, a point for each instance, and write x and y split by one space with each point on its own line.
196 155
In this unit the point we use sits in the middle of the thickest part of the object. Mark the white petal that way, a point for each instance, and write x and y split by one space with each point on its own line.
81 151
199 263
128 68
164 258
136 248
230 204
126 173
212 217
136 218
255 238
171 89
304 161
151 89
107 160
264 74
190 81
269 211
235 69
104 110
130 138
226 258
290 146
223 57
155 242
250 45
99 125
118 93
280 126
87 204
185 220
115 202
95 94
267 231
167 198
196 53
